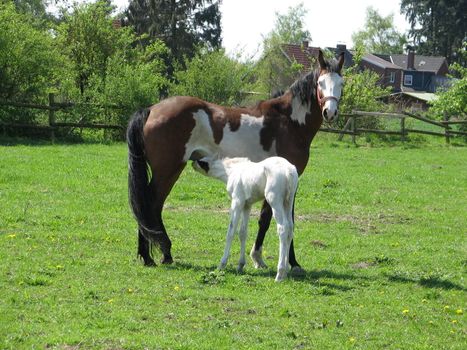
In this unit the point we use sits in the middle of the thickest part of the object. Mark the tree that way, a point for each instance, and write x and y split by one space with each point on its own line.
379 35
212 76
438 27
28 58
453 101
361 91
181 24
274 70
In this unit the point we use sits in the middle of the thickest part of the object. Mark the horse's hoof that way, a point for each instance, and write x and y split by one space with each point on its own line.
297 271
240 268
167 260
222 266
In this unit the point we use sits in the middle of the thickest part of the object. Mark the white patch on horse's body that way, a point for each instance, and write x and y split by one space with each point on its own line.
245 141
202 138
273 179
299 110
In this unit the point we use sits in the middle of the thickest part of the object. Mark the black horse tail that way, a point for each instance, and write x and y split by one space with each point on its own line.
140 195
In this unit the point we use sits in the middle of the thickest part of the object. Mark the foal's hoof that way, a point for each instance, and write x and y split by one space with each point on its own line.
281 275
167 260
297 271
257 257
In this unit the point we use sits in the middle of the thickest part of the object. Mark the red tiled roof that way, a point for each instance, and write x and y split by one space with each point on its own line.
301 54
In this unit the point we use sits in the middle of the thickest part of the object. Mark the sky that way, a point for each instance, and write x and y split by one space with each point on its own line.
246 22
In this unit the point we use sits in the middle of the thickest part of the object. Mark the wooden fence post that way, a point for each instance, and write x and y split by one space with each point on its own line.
446 129
52 117
353 126
403 129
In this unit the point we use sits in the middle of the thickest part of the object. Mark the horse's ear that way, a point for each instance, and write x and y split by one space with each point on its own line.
340 63
322 63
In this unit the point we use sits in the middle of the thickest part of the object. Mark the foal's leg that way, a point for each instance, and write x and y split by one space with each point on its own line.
283 230
243 235
256 252
234 217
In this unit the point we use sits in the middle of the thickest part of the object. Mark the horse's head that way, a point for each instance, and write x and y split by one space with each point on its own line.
329 86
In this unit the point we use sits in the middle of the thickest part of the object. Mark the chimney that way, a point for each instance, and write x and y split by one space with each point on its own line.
341 48
411 60
305 44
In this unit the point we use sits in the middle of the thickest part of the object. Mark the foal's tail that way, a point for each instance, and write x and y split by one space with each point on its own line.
140 195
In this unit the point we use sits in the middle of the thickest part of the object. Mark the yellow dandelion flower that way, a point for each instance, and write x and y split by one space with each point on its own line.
130 290
110 301
454 321
405 311
177 288
352 340
424 301
446 307
13 235
459 311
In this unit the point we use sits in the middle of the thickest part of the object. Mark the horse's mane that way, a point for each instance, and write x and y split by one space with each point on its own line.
305 86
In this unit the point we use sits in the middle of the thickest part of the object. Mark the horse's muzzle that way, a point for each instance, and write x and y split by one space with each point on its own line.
330 115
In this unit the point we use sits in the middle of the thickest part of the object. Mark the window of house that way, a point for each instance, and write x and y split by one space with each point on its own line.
407 79
392 77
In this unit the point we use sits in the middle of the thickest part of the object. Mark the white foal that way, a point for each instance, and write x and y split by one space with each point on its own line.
273 179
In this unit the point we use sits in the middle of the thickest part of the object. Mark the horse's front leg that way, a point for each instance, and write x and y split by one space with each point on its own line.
256 252
234 217
243 235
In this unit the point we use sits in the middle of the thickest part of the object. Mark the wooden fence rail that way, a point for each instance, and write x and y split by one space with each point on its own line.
350 128
53 107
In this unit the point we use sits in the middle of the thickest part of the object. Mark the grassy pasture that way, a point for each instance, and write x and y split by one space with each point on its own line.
380 231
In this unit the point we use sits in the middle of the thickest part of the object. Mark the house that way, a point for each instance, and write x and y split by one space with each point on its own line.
412 78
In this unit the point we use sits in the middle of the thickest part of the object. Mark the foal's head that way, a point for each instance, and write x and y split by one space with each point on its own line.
329 86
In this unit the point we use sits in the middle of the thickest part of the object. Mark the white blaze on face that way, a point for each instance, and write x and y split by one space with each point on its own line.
330 84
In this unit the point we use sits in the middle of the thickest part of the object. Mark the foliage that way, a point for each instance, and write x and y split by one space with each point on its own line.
379 34
438 27
107 66
181 25
379 231
29 61
361 91
274 71
453 101
213 76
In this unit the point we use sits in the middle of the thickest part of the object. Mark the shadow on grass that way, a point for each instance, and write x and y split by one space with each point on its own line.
428 282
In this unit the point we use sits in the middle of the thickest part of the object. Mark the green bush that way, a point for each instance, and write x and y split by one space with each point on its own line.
212 76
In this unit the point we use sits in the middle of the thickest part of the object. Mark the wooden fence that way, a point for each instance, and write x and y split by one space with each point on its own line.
52 125
350 128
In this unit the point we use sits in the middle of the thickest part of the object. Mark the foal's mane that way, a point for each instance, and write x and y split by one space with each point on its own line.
305 87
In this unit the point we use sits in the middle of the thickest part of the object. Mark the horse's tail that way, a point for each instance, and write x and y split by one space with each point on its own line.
140 195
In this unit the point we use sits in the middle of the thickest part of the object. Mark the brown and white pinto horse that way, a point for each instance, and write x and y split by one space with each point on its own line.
167 135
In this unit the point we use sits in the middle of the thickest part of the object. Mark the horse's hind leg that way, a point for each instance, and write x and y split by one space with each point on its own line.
256 252
162 183
144 249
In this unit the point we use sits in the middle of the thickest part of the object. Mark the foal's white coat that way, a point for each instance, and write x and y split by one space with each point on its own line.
273 179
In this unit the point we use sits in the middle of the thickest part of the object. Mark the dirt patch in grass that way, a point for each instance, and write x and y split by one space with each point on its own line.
368 224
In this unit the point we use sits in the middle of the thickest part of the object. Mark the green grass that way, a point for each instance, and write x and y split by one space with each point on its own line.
381 232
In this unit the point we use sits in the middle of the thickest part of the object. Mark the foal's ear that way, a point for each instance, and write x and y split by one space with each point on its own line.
340 62
322 62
